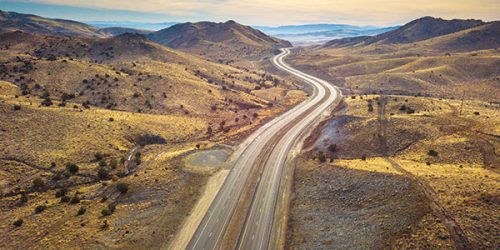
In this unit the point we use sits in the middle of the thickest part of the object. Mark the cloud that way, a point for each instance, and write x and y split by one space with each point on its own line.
378 12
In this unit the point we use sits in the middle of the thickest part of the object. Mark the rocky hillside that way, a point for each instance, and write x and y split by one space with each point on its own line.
11 21
414 31
222 40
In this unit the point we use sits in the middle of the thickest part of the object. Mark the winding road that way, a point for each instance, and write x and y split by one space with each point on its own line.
266 153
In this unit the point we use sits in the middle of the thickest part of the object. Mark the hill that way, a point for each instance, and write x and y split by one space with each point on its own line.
115 31
83 116
414 31
223 41
11 21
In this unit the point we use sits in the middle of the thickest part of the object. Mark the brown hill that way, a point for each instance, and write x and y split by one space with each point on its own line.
116 31
222 40
486 36
11 21
128 72
417 30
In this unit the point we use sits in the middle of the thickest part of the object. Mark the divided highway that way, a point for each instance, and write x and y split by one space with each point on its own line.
267 150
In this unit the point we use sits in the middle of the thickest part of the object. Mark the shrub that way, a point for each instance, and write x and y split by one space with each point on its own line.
363 157
24 198
38 183
61 192
51 58
113 163
476 113
17 107
102 163
332 148
148 139
122 187
81 211
322 157
40 208
106 212
65 199
370 107
98 156
109 210
433 153
102 173
75 199
18 222
47 102
72 168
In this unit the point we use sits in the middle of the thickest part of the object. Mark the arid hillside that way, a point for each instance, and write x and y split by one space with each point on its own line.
418 30
93 134
444 66
11 21
410 160
222 41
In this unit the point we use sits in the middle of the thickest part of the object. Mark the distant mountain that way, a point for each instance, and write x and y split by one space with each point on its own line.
414 31
223 41
486 36
132 25
116 31
424 28
321 33
11 21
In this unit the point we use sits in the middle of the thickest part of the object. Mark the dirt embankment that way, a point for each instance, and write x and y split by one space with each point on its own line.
405 173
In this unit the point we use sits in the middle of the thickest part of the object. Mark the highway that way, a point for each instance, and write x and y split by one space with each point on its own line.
266 150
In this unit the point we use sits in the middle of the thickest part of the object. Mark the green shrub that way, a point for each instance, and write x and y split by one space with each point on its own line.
75 199
81 211
322 157
72 168
65 199
433 153
61 192
122 187
102 173
38 183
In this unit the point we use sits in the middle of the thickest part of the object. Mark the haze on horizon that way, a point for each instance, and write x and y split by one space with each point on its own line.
259 12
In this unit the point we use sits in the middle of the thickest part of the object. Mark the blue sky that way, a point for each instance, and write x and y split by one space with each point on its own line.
259 12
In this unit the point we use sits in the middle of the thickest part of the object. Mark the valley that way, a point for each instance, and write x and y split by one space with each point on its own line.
217 135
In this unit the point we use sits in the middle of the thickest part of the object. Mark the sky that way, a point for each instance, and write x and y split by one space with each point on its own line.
259 12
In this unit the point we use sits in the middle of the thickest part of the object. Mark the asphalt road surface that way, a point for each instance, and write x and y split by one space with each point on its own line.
269 148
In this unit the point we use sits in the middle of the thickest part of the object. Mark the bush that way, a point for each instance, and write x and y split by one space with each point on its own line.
65 199
106 212
72 168
24 198
322 157
98 156
17 107
61 192
40 208
102 173
113 163
433 153
109 210
363 157
370 107
47 102
75 199
18 222
122 187
332 148
38 183
81 211
102 163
